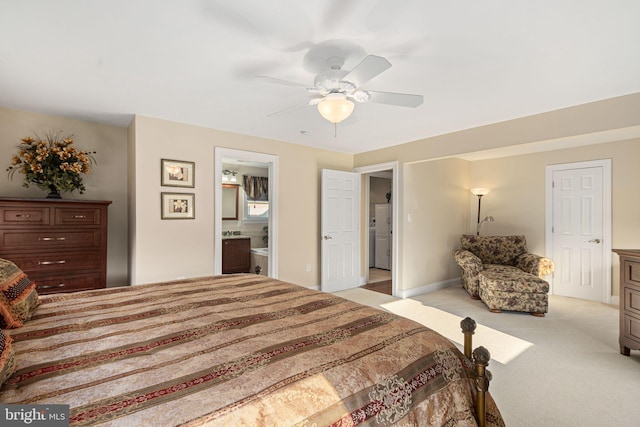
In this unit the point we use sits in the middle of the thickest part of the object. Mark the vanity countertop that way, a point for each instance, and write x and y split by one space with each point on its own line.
237 236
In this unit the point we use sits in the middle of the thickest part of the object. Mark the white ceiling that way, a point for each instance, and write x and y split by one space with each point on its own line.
195 61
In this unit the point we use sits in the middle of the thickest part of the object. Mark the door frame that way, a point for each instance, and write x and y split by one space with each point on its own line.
395 218
605 164
250 156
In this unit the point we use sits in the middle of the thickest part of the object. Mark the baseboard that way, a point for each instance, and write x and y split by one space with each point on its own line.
408 293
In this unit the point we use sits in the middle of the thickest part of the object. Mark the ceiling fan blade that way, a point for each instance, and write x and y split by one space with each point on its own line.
281 81
399 99
367 69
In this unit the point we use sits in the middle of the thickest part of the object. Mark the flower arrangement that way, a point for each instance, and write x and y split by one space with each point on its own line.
52 163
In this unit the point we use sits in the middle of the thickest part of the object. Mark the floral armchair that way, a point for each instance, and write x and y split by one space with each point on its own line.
501 272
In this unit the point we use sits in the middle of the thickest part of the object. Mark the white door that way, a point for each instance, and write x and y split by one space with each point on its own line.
577 233
383 236
340 230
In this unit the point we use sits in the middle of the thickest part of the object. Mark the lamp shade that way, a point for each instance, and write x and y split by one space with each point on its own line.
480 191
335 107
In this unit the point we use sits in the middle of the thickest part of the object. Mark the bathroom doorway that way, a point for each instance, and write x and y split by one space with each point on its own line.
256 219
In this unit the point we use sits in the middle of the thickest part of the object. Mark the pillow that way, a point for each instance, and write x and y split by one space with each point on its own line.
18 296
7 361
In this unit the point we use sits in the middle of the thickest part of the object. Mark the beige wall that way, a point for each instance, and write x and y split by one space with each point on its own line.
107 180
438 207
165 250
379 187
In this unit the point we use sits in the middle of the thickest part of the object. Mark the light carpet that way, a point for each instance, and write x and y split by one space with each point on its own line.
503 347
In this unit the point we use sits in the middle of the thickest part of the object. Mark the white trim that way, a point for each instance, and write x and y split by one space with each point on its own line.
605 164
272 161
396 201
432 287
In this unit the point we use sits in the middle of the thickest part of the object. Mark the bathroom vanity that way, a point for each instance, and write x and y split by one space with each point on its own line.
236 254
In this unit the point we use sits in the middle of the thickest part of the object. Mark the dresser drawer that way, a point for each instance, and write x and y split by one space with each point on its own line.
57 261
45 239
66 283
28 216
631 271
77 216
632 300
631 328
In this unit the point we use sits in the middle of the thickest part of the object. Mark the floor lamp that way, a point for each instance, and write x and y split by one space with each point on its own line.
480 192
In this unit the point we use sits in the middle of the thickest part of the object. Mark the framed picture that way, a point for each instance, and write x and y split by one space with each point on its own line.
177 173
178 205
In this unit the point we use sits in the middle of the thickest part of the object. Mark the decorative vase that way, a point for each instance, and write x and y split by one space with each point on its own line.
54 193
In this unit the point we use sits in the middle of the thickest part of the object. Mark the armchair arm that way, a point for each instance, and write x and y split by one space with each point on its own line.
471 267
535 264
468 261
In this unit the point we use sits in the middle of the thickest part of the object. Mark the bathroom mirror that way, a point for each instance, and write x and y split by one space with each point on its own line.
229 201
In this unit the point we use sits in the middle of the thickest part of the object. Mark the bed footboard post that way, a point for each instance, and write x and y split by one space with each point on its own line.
481 359
468 326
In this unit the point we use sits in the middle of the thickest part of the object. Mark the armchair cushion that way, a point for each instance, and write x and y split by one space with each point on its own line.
495 249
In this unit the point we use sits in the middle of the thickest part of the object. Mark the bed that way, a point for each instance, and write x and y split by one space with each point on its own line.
237 350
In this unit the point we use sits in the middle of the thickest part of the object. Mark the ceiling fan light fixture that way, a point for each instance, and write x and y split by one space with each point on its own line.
335 107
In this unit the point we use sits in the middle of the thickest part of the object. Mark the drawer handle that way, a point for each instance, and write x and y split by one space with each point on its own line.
51 262
47 239
79 216
23 216
59 285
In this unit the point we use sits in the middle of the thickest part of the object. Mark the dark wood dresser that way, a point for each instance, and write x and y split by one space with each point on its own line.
236 255
629 299
60 244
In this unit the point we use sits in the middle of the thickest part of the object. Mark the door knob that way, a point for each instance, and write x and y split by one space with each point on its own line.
327 237
594 241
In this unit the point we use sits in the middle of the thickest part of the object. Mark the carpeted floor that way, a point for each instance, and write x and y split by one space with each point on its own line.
573 375
504 347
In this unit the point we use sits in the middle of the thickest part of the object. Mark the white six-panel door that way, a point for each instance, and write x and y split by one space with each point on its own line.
578 233
340 230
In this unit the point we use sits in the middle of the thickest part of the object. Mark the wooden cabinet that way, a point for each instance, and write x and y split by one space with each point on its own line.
60 244
629 300
236 255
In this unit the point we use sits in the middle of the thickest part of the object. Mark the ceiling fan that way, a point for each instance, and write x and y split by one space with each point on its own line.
335 89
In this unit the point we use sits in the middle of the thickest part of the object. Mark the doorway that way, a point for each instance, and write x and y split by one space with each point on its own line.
249 159
380 230
380 243
579 229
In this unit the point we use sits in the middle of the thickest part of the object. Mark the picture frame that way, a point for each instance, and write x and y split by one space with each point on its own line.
178 205
177 173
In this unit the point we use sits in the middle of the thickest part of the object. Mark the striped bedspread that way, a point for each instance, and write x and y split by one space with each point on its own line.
238 350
